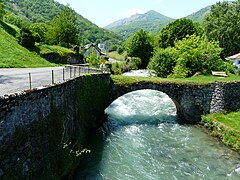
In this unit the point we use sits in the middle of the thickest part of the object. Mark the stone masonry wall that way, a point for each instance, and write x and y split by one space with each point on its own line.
39 129
191 100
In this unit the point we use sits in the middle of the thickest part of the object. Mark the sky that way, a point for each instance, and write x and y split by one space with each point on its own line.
105 12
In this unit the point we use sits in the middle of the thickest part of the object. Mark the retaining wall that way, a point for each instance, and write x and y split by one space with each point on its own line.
42 131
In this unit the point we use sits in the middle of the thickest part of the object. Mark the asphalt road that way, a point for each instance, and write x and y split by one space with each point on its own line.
17 79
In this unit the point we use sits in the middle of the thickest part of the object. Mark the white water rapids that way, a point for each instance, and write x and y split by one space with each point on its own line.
142 141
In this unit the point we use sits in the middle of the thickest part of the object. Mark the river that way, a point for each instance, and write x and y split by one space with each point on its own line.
142 140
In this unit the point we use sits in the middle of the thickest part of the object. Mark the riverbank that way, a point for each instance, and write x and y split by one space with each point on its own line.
225 126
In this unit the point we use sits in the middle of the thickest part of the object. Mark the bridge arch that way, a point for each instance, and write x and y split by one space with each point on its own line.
117 92
143 106
191 101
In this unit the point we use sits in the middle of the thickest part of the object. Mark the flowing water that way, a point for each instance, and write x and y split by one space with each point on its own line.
142 141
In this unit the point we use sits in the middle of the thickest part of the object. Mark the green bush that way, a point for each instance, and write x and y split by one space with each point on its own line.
135 62
113 48
163 62
25 38
93 60
140 45
120 50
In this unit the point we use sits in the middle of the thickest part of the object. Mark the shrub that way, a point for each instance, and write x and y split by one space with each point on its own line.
163 62
25 38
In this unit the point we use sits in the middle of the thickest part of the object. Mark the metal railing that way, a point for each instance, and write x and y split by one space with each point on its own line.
22 80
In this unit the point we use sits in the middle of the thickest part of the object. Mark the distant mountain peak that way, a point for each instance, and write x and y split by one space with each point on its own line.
151 21
148 17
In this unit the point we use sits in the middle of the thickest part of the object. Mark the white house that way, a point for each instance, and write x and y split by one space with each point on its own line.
236 60
101 46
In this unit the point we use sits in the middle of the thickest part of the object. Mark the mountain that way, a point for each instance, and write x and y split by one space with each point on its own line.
151 21
199 15
32 11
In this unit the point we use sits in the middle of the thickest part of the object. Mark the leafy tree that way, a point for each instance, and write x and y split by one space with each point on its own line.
18 21
62 29
93 60
222 24
120 50
113 48
140 45
134 62
197 54
2 9
189 56
177 30
26 38
43 11
39 31
163 62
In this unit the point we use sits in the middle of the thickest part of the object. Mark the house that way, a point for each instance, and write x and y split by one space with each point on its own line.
101 46
236 60
90 48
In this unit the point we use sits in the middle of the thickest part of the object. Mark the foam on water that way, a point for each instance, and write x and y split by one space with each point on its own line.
142 140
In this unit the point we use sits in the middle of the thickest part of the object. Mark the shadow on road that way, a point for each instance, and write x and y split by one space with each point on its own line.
7 79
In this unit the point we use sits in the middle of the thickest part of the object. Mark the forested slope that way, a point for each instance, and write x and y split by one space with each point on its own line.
32 11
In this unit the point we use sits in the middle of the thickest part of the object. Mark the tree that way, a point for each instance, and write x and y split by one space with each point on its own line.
163 62
197 54
177 30
39 31
222 24
62 29
2 9
140 45
191 55
26 38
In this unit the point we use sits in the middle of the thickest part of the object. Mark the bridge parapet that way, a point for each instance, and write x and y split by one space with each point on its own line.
191 100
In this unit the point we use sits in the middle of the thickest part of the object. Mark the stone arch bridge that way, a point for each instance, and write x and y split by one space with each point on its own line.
36 124
192 100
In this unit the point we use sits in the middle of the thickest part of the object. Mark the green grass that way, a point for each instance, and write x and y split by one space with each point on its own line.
12 55
116 56
231 120
199 80
226 127
45 49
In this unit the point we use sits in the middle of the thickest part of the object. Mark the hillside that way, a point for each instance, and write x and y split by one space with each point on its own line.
14 55
33 11
151 21
199 15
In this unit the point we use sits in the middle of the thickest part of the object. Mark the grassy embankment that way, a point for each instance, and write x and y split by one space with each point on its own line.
225 126
12 55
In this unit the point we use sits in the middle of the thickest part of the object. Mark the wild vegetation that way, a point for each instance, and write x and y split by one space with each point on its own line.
24 13
14 55
184 48
140 45
222 24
